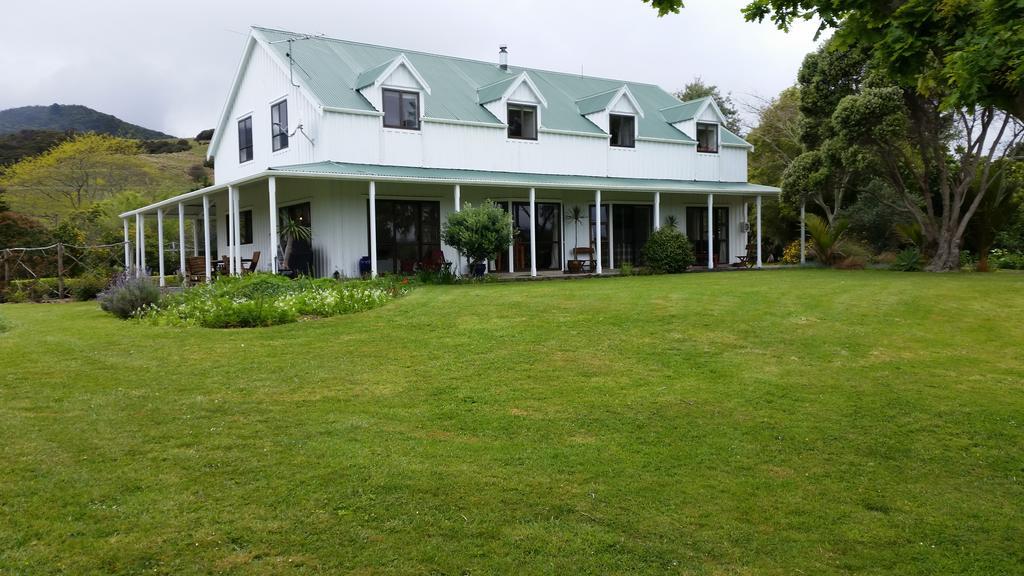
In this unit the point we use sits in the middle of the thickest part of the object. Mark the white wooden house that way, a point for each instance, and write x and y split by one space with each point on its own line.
373 147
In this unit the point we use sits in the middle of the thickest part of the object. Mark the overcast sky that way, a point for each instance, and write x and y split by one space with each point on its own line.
168 65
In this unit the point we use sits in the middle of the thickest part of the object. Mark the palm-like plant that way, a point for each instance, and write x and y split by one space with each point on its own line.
575 215
828 242
291 230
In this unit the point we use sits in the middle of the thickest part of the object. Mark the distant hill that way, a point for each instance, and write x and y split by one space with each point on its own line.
61 117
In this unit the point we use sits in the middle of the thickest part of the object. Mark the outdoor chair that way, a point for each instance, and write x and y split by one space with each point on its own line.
195 269
252 263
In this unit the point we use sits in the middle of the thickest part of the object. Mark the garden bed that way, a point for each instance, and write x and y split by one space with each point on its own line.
268 300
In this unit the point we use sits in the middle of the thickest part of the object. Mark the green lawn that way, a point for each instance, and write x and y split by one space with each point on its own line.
787 422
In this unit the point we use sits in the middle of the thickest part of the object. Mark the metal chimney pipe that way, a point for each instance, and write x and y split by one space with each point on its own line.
503 57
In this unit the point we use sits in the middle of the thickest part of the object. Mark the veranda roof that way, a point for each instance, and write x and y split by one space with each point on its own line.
384 173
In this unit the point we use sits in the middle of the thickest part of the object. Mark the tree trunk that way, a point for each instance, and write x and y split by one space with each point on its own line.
947 251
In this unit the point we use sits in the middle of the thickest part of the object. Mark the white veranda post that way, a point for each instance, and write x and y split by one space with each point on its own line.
803 233
597 228
160 244
711 231
181 238
758 231
237 219
657 210
533 231
373 228
231 230
206 235
458 208
272 199
127 247
140 227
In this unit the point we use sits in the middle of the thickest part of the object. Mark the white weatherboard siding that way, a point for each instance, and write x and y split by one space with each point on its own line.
732 164
707 167
265 81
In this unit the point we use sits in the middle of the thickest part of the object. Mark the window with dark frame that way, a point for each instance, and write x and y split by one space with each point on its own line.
707 138
623 130
522 121
401 109
279 125
245 140
244 228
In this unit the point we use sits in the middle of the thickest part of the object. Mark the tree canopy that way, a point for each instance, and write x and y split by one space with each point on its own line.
963 53
74 174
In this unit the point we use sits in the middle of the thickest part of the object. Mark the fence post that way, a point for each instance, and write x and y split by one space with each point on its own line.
60 270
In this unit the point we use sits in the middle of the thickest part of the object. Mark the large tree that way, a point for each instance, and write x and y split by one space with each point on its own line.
699 89
75 174
941 165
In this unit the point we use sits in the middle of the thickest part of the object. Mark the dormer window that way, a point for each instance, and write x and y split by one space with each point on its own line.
279 125
623 130
707 138
401 109
522 122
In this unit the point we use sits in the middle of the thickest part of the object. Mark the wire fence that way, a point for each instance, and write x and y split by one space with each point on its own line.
47 272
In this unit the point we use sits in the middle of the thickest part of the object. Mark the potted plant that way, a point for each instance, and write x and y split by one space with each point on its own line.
575 215
479 233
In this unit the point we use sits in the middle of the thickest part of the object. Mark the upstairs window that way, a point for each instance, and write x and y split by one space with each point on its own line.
623 130
522 122
245 140
707 138
401 109
279 125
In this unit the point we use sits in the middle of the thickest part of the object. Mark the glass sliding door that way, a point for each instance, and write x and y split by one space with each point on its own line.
548 223
631 228
697 232
408 234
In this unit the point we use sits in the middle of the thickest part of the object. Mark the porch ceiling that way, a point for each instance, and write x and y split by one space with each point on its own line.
350 171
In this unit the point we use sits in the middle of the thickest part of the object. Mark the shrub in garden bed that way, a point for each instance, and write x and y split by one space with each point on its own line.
267 300
668 251
129 295
88 286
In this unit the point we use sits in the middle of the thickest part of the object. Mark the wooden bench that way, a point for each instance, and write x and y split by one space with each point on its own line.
586 257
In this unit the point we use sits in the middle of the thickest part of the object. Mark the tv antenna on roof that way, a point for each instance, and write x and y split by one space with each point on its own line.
291 59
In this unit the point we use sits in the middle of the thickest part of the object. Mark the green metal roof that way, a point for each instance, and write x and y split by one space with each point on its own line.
683 111
492 178
370 76
730 139
597 102
495 90
333 69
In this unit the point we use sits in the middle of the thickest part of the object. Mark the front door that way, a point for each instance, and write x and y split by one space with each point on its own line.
697 231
